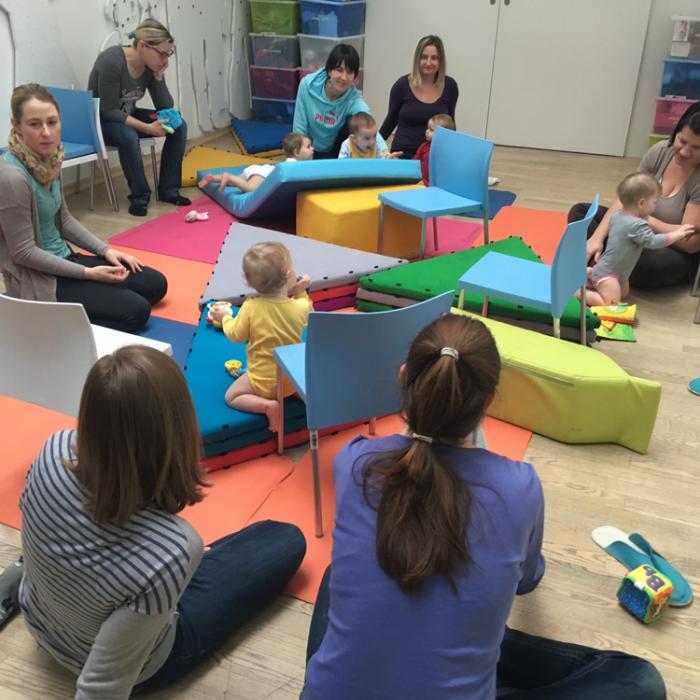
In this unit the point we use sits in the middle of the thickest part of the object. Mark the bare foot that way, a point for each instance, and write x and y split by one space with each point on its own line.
205 181
273 416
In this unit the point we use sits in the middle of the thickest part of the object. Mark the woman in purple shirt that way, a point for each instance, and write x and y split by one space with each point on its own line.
433 539
416 98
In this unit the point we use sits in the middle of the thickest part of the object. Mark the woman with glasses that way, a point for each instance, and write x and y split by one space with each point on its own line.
120 77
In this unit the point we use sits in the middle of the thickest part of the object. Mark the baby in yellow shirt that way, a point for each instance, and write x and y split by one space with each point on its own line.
276 317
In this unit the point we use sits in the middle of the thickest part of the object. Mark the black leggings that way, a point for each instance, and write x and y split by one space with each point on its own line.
124 306
662 267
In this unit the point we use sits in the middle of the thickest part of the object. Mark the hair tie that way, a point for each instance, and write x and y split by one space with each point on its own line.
451 352
131 34
422 438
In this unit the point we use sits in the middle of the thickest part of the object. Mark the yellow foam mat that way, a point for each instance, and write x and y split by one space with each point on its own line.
350 217
202 157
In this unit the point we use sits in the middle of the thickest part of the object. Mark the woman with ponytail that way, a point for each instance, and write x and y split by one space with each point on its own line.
433 539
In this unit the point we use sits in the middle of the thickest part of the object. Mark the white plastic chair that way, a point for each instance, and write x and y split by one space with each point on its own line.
48 348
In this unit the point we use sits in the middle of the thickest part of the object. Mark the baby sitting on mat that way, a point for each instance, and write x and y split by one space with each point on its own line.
275 317
295 147
362 142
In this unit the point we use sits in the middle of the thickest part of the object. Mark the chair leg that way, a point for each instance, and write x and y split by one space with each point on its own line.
697 313
77 178
422 239
486 227
92 185
435 233
485 306
380 231
280 399
460 304
109 183
694 292
154 164
318 515
582 327
557 328
372 426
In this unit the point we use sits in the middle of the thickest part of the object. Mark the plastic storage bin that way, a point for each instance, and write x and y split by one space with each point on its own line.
315 49
325 18
279 83
668 112
268 110
681 78
278 16
359 78
686 37
275 51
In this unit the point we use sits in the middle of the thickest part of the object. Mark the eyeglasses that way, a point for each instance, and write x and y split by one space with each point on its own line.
162 54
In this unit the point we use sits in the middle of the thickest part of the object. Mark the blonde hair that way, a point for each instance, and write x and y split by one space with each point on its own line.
637 186
151 32
444 120
266 267
361 120
430 40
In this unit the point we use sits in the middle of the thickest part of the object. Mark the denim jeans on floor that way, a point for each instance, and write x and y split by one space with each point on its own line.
535 668
240 575
126 139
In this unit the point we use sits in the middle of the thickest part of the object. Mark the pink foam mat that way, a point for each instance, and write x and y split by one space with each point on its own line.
171 235
453 235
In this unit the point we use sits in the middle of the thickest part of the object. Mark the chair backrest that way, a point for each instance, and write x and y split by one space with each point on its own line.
77 116
569 264
353 360
46 352
459 163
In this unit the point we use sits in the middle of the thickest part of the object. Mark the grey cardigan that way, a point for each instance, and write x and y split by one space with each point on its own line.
29 271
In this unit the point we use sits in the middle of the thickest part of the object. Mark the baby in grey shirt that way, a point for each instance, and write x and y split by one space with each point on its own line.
629 234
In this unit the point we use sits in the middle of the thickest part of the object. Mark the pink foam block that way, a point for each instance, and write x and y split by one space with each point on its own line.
453 235
171 235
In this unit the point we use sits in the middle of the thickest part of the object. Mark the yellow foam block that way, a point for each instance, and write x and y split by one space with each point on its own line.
350 217
201 157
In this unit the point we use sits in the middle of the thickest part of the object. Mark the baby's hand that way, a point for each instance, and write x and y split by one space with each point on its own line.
206 180
218 310
685 231
393 154
300 285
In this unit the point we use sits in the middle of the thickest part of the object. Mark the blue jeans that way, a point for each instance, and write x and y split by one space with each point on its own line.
535 668
126 139
240 575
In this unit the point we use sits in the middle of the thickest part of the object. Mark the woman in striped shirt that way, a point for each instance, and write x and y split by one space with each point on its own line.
116 586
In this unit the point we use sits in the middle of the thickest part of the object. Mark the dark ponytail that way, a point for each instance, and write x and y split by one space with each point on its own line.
422 503
691 119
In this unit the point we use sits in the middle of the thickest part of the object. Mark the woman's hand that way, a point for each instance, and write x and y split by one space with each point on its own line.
106 273
156 128
594 249
123 260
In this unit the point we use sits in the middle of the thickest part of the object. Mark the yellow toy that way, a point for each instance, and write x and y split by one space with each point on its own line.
619 313
645 592
234 368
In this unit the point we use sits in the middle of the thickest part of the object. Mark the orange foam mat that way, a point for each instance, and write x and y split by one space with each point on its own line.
186 282
25 429
540 229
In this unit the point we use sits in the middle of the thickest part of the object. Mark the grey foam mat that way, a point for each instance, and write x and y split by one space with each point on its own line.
327 265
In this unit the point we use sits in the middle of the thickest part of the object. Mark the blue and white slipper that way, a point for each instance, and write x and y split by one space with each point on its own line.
694 386
634 550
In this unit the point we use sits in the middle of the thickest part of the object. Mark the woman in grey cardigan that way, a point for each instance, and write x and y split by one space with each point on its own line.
36 228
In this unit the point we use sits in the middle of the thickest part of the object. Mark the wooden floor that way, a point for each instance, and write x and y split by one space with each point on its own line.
585 486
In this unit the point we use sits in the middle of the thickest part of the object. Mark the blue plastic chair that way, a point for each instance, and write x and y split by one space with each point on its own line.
459 173
347 370
547 287
81 141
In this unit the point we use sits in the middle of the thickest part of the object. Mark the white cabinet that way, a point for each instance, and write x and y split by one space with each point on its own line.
559 74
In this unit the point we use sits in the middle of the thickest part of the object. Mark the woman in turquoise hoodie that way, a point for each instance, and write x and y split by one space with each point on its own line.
326 99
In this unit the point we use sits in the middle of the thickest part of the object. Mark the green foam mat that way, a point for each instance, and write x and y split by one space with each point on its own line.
428 278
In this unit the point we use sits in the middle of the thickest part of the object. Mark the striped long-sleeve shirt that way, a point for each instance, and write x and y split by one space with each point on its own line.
100 598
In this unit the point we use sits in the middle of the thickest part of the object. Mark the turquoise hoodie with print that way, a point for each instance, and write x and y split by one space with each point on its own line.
320 118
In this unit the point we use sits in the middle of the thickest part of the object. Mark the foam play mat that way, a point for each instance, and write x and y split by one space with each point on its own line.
259 137
428 278
170 234
276 196
178 334
203 157
328 265
570 392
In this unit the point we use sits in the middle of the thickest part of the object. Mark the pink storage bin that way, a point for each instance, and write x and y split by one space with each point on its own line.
359 78
277 83
668 111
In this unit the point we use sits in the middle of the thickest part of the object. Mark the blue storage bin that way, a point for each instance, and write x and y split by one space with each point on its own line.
269 110
681 78
337 19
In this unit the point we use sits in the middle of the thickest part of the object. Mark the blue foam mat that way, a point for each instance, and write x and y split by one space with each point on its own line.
178 334
225 428
497 200
258 137
276 196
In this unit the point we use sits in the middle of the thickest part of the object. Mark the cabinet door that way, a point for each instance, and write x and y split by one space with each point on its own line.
7 74
565 73
468 30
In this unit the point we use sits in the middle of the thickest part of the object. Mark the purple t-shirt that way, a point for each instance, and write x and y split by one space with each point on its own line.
410 117
383 643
